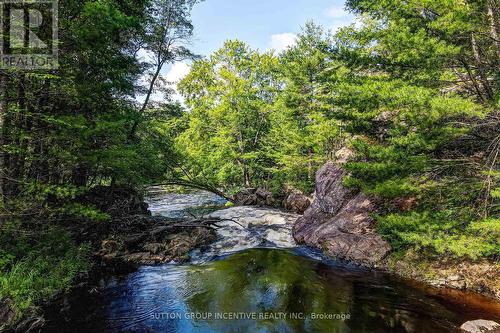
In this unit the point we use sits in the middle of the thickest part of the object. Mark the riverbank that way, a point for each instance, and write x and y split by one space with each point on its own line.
340 222
131 241
244 228
261 284
74 256
482 277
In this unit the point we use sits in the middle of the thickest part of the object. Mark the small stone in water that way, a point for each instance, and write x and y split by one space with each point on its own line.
480 325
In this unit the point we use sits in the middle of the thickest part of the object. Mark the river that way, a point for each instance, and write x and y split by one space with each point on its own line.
255 279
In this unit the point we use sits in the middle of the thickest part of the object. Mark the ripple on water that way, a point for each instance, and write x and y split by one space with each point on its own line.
260 280
180 205
265 281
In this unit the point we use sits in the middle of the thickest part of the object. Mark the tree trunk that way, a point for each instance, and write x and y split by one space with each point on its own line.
39 166
18 167
196 185
5 117
492 8
483 78
472 79
3 136
133 130
80 175
246 175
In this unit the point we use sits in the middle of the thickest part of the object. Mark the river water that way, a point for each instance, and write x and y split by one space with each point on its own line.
264 286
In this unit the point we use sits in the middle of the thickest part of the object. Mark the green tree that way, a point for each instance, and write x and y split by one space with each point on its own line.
421 94
303 134
66 133
230 97
168 30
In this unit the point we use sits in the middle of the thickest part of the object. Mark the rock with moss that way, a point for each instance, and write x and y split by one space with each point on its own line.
254 197
152 240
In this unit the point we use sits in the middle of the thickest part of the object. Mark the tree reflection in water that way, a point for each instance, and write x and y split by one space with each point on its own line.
262 281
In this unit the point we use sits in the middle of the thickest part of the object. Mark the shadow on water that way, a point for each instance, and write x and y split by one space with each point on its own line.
263 290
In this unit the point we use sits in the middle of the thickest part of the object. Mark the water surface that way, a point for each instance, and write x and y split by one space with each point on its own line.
265 290
182 205
270 289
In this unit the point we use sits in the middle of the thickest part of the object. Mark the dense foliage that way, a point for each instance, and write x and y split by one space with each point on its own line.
422 98
259 119
78 127
412 88
229 95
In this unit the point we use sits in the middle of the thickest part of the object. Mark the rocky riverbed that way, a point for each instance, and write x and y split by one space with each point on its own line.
197 229
339 222
177 231
248 262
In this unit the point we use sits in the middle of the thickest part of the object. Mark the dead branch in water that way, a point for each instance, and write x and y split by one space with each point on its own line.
195 185
210 223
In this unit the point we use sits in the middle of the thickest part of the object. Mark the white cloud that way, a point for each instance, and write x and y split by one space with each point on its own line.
336 12
282 42
143 55
340 17
177 72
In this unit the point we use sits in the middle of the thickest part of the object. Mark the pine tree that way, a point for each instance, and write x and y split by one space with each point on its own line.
420 96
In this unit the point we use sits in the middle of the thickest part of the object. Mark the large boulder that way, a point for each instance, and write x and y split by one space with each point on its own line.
339 222
297 202
254 197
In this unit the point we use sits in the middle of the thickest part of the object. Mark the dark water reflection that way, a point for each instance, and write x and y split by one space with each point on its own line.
262 282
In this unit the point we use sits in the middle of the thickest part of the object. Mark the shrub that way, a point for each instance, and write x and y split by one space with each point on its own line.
441 233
